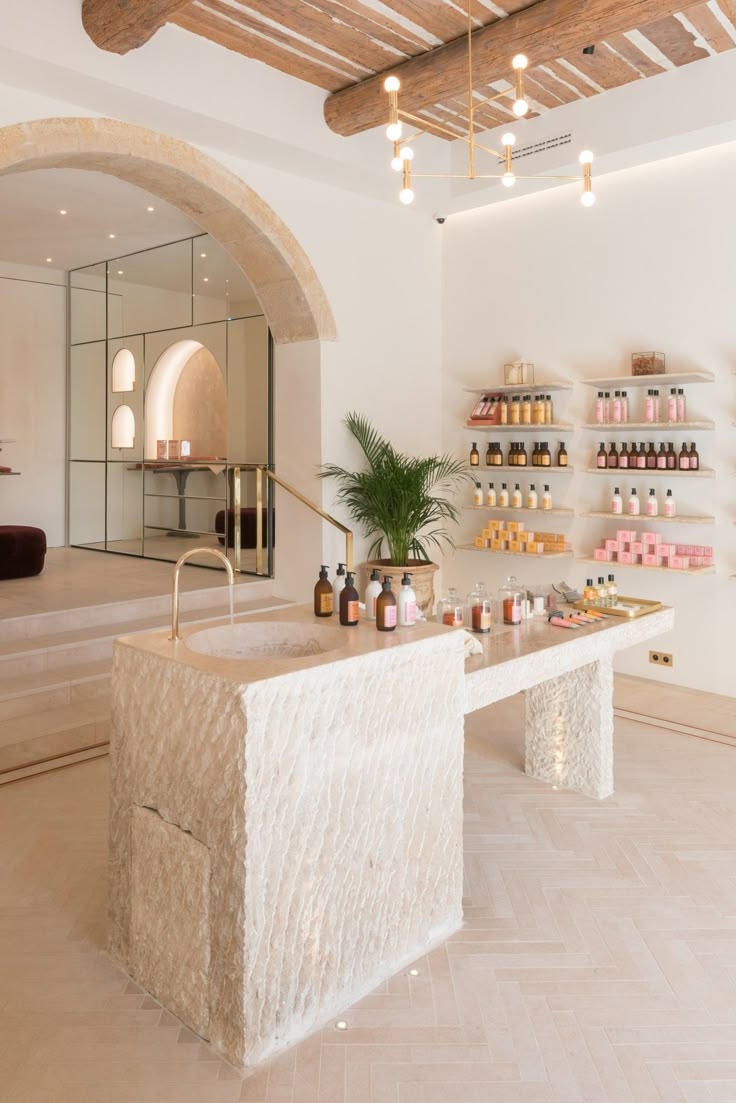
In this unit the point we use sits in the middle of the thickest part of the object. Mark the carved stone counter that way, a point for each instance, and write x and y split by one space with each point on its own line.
285 833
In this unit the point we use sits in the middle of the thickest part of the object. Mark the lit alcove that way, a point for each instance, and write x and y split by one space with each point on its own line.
123 371
122 430
186 399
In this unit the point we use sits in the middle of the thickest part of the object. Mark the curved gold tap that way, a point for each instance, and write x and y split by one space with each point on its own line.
175 591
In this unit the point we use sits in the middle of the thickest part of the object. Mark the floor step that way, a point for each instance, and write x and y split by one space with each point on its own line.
47 689
52 732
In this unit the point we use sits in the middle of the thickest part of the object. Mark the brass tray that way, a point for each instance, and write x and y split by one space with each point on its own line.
630 607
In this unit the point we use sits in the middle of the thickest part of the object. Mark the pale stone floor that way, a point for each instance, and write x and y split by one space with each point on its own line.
597 961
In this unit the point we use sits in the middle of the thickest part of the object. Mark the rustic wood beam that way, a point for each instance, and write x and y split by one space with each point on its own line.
547 30
123 25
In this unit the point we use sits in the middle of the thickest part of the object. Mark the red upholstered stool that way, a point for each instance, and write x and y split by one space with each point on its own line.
247 527
22 551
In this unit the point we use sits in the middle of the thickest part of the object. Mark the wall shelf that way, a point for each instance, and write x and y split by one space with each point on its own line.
521 388
641 567
645 472
548 427
653 426
524 509
683 520
529 469
518 555
676 379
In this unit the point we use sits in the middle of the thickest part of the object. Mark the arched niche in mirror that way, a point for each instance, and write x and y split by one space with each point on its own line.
122 429
123 371
186 399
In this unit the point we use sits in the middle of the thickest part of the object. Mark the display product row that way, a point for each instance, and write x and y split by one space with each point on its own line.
502 409
652 503
647 457
614 409
648 549
513 536
517 455
514 500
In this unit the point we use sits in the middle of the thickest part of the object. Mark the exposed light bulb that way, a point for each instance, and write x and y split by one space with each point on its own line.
406 195
521 107
586 157
587 198
393 131
397 164
406 153
508 139
520 61
508 179
392 84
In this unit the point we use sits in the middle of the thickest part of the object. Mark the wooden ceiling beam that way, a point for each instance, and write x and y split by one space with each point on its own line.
548 30
122 25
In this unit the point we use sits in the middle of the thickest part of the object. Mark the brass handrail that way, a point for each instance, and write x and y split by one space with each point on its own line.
260 472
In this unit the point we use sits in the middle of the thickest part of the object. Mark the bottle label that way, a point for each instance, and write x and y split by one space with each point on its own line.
453 617
662 463
562 460
602 461
531 502
389 616
481 618
546 503
634 506
616 506
326 603
669 509
352 609
410 613
651 509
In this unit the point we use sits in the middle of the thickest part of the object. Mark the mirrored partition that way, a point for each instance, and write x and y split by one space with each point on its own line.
170 395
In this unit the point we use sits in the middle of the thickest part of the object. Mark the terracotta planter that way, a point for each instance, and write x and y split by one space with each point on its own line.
420 572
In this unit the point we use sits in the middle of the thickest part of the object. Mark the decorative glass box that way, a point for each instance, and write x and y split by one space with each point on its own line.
521 371
647 363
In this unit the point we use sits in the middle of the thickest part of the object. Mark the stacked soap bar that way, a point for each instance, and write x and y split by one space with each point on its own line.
649 550
512 536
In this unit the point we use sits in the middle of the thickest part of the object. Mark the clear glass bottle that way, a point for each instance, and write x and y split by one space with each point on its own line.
510 598
515 410
450 609
538 410
598 409
480 609
681 405
526 410
612 591
549 413
505 410
624 407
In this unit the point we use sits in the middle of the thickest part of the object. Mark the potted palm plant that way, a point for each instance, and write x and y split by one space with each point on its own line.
401 502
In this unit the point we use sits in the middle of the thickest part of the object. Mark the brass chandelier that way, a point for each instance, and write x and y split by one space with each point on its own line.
404 152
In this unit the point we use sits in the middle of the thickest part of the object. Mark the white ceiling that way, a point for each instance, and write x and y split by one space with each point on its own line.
97 205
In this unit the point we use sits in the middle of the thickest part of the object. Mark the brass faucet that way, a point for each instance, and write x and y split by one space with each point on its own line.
175 591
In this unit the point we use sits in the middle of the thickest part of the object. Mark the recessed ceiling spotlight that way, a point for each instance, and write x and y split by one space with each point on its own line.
62 212
49 259
111 235
203 255
120 272
205 279
150 208
341 1025
413 972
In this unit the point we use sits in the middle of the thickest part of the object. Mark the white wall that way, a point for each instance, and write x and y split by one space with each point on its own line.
651 266
33 397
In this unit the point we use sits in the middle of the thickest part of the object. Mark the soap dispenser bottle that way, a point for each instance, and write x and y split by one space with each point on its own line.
324 599
349 609
372 591
386 608
338 584
407 603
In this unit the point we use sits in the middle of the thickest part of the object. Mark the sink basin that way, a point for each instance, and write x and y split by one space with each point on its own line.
265 641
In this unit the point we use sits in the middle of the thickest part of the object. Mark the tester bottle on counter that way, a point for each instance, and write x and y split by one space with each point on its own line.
324 598
386 608
349 608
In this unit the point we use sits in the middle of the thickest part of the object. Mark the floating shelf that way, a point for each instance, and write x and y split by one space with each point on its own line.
519 555
525 509
548 427
683 520
521 388
641 567
642 472
9 472
675 378
529 469
653 426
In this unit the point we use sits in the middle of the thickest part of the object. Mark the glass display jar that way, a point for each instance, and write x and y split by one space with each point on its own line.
510 597
450 610
480 609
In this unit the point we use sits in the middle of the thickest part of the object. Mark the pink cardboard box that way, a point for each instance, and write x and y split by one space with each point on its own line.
601 555
707 561
636 547
611 545
625 535
708 550
696 560
679 562
625 557
650 560
650 538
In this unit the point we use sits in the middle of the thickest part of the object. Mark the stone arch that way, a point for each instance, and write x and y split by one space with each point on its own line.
287 286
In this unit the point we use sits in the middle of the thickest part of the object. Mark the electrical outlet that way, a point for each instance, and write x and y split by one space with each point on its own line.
661 658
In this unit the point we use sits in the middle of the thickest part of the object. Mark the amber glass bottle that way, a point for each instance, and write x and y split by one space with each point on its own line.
324 602
349 599
386 608
474 455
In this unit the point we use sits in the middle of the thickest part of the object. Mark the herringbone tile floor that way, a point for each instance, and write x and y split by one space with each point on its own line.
597 961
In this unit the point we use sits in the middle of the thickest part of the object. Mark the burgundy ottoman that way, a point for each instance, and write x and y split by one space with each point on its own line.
247 527
22 551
